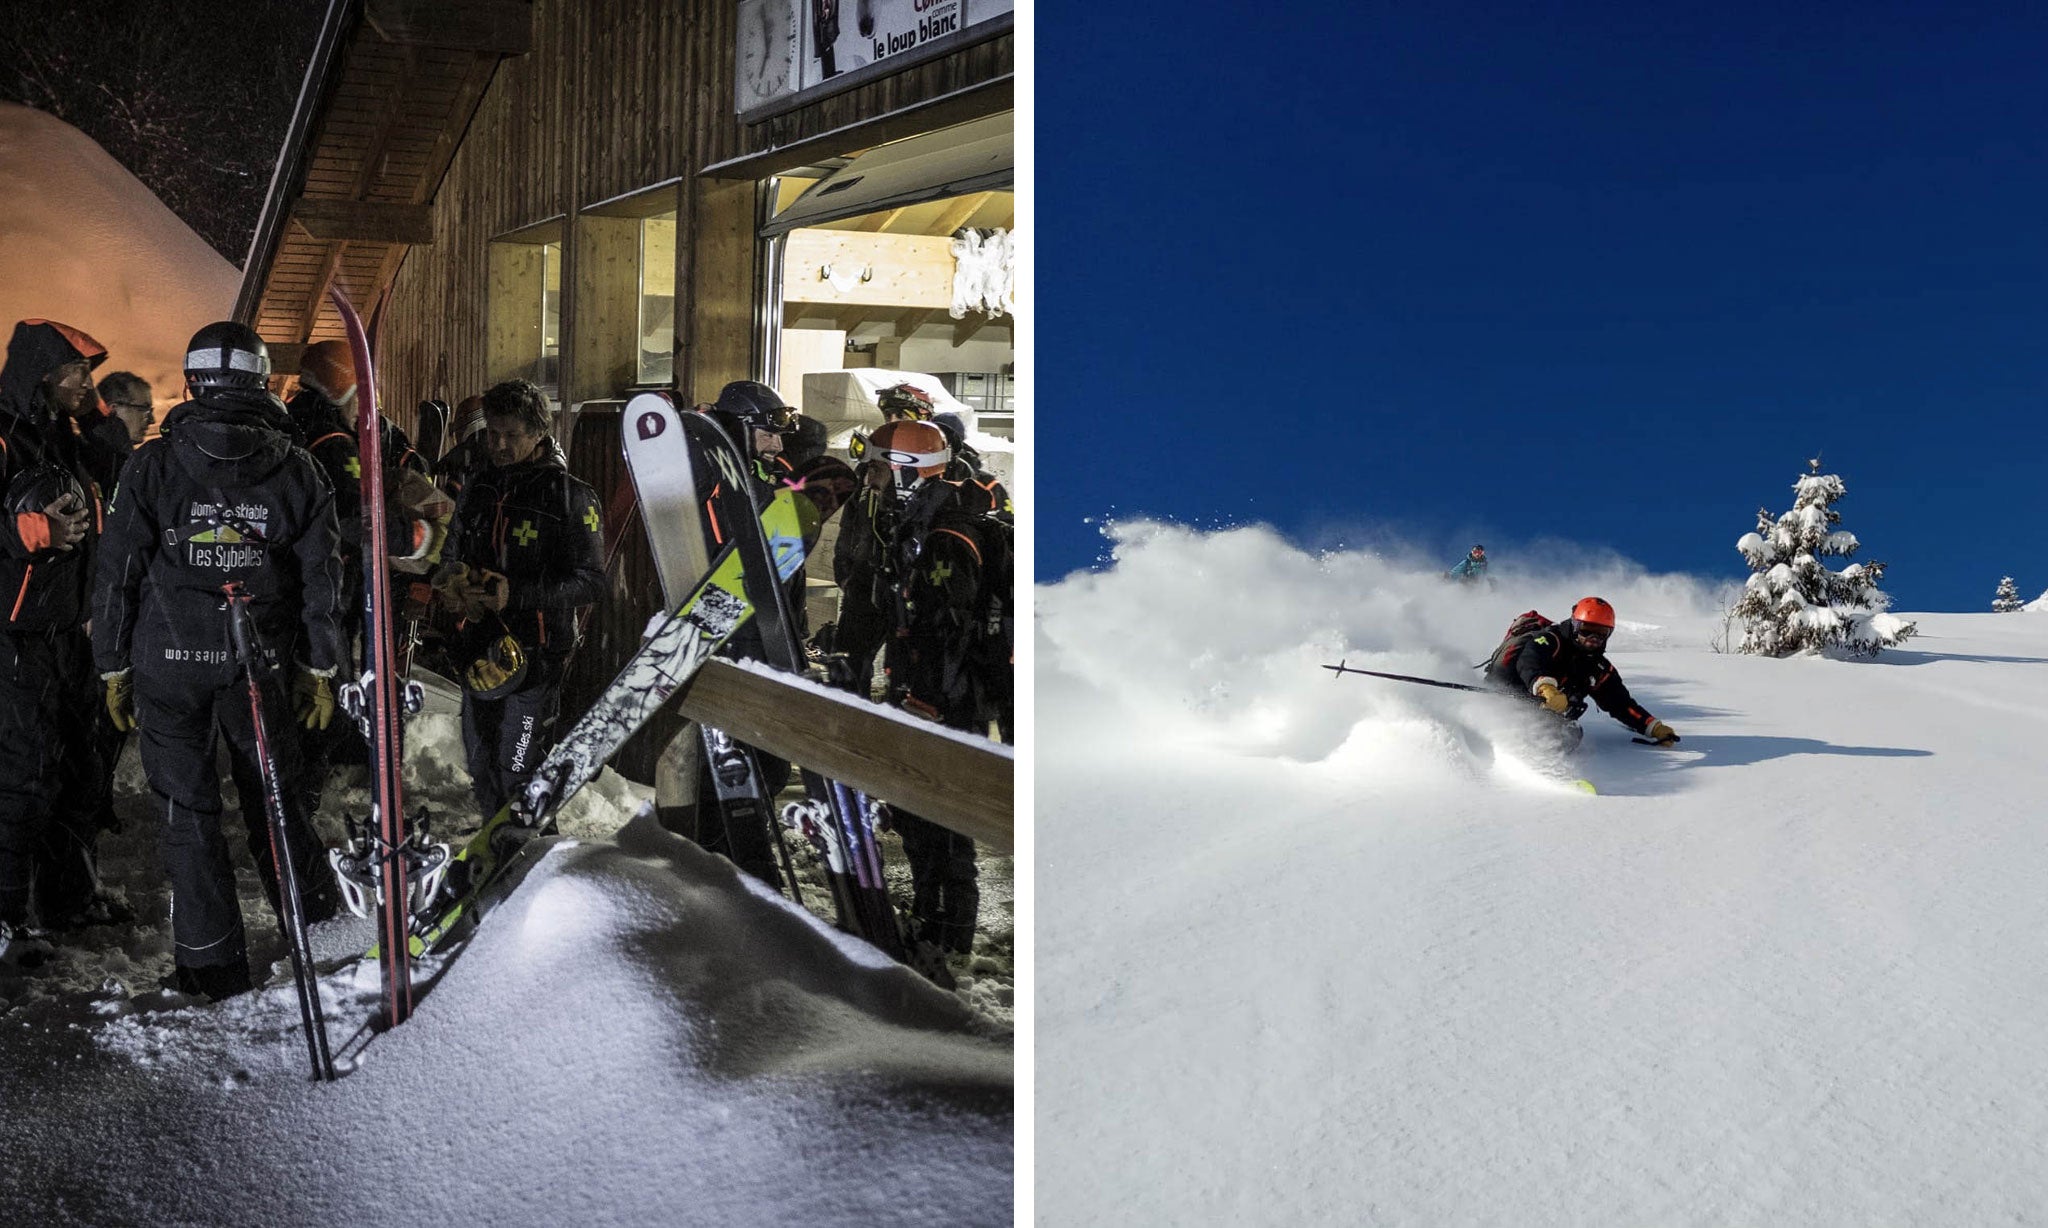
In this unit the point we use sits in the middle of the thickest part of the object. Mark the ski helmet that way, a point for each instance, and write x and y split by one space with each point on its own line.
745 406
226 355
469 418
329 368
1593 612
905 400
499 671
38 487
915 451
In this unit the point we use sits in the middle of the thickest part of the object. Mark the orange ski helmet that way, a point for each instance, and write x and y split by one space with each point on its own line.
330 368
914 450
1593 612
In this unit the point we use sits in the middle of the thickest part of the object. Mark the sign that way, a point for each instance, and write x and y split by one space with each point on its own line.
791 50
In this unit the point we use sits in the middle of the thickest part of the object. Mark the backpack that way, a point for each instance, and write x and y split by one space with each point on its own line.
1525 625
988 662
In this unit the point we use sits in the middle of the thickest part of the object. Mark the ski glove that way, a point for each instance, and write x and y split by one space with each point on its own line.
1552 698
1660 733
313 698
120 698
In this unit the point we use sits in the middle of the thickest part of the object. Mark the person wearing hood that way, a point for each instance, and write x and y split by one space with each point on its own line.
222 495
523 562
52 778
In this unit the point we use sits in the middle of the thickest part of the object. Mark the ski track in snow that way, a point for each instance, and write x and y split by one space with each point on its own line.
639 1035
1333 952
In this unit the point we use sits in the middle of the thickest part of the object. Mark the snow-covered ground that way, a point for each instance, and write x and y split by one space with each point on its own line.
1323 950
85 243
640 1035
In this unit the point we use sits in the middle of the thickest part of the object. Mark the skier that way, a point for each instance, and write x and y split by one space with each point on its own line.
755 418
221 496
524 560
934 557
52 780
1561 665
1470 568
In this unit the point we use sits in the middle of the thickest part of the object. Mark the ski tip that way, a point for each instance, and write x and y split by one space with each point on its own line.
1585 786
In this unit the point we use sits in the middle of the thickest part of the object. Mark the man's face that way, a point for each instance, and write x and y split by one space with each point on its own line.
71 387
509 441
767 443
134 414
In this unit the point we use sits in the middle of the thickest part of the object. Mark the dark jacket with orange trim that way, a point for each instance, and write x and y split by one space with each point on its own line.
1551 654
42 589
539 527
170 545
939 570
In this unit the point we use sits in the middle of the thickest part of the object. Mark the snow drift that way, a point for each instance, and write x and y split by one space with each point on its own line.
1320 950
84 242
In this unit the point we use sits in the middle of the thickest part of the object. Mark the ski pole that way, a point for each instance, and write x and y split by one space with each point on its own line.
291 904
1341 668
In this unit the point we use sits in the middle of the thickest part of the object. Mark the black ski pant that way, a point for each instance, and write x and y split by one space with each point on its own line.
748 845
179 726
52 778
945 898
505 739
861 631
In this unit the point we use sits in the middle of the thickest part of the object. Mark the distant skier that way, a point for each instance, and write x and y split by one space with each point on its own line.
1471 568
52 780
1564 664
222 495
524 560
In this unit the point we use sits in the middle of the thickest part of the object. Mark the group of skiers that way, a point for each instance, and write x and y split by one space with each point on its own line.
115 566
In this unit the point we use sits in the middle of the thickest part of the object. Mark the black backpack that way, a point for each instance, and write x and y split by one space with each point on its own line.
1519 633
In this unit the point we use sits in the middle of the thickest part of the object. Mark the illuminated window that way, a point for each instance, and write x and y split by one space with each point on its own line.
657 298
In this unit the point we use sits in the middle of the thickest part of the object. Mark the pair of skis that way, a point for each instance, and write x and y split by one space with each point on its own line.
664 444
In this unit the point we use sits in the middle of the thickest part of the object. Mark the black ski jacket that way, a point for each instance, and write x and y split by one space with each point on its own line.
157 601
539 527
104 446
42 589
1551 654
937 557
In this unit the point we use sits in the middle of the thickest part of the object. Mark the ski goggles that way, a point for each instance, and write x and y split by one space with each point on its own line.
777 419
1592 635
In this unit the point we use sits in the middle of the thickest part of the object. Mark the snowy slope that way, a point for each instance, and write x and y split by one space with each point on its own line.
1319 950
640 1035
84 242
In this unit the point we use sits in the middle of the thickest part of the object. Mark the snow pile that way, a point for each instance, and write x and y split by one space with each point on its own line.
82 241
1313 949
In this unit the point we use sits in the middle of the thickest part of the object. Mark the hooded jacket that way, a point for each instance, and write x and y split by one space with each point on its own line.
222 495
539 527
42 589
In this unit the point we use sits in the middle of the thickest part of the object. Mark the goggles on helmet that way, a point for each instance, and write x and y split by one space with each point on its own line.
1591 635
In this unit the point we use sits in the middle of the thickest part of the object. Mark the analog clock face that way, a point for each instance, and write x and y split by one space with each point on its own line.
764 50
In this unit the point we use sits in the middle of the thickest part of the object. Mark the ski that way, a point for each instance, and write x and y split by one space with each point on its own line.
255 661
677 644
766 555
376 695
431 430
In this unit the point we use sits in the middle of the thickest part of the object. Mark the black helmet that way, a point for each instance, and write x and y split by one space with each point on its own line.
38 487
226 355
745 406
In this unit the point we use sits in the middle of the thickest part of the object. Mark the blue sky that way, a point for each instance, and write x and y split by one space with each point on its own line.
1503 272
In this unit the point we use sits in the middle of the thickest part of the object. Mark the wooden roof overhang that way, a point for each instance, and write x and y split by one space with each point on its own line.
392 86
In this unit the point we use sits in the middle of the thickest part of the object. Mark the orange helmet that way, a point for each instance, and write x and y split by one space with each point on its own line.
329 369
915 450
1593 612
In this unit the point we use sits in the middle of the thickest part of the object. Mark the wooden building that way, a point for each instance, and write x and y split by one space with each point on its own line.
570 191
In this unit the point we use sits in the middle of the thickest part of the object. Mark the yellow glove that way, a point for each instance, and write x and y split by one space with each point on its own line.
120 697
1552 698
1660 733
313 698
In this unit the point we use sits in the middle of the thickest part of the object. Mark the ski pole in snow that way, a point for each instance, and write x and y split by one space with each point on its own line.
1340 668
291 904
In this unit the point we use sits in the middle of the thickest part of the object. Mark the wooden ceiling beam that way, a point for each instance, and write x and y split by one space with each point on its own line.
361 221
496 27
956 216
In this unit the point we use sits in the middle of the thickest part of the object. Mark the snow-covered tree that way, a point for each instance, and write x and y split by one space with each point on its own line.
2007 599
1792 603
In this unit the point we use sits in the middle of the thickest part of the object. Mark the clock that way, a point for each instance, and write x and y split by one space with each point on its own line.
767 51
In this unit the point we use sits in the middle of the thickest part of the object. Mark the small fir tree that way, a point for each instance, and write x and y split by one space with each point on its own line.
1792 603
2007 599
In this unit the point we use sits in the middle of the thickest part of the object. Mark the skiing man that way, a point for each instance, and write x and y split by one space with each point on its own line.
1563 664
1471 567
524 560
222 495
52 780
934 565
